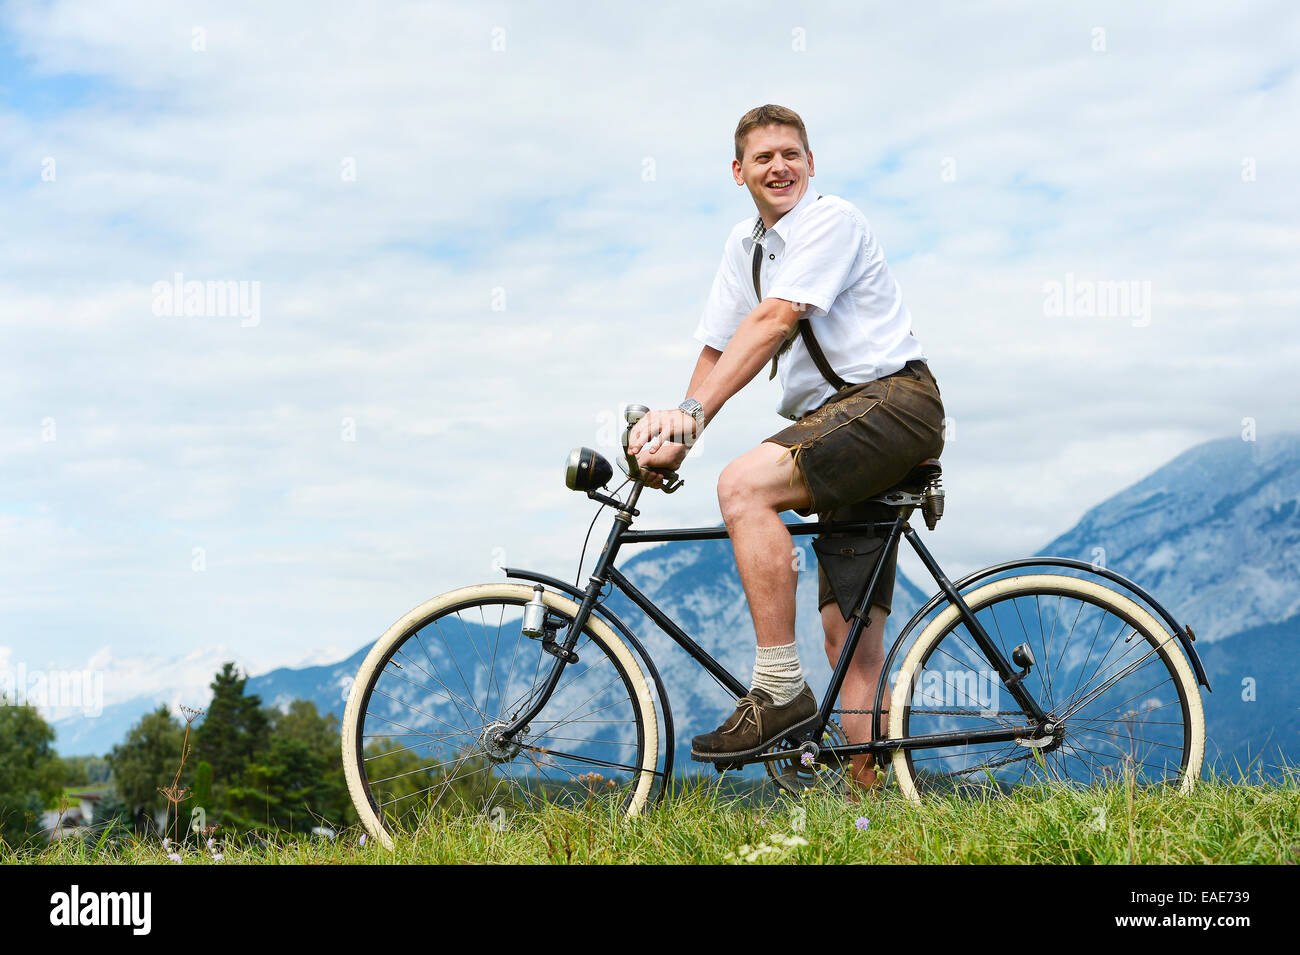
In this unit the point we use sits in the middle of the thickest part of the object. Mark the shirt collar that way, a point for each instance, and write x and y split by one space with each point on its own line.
782 225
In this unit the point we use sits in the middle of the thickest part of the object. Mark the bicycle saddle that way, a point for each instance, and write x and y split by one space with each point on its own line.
921 487
919 476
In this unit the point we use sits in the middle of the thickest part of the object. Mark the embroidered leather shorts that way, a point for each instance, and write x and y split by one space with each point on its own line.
864 440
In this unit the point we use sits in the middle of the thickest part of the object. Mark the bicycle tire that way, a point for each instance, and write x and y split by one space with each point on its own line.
1097 715
386 666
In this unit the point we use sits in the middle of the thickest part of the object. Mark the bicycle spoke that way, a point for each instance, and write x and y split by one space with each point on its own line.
434 745
1125 706
436 675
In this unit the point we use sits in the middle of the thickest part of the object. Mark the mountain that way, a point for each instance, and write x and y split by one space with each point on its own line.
1253 713
1214 535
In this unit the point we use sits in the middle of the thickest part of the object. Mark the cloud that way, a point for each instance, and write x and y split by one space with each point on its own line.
385 433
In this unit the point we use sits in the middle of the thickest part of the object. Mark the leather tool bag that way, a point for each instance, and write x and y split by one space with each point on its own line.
848 562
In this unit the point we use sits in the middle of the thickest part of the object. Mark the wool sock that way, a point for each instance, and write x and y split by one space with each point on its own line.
777 671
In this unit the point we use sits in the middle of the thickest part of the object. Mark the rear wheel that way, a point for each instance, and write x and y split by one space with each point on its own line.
421 729
1120 696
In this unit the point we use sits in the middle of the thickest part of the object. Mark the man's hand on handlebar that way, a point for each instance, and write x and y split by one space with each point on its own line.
661 441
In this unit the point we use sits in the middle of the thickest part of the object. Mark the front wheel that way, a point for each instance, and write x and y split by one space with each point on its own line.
421 729
1121 699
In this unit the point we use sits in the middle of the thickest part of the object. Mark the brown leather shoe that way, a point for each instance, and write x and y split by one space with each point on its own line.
756 724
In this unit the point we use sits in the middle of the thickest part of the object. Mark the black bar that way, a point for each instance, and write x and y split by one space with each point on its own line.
801 529
1003 734
677 634
991 652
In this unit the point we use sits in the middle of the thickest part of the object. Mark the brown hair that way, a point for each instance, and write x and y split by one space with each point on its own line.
766 116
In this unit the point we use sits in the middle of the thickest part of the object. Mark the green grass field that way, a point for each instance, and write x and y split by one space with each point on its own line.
701 821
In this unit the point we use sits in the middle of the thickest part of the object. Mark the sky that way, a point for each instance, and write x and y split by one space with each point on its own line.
463 236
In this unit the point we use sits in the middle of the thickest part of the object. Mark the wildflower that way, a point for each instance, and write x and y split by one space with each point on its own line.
217 857
212 845
167 843
862 822
363 838
175 857
807 759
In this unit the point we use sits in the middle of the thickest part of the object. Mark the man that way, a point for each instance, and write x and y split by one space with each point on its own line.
856 385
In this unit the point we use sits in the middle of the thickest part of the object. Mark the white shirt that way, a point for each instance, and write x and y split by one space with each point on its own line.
822 253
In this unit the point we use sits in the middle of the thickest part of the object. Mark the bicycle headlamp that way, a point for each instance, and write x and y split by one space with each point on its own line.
586 470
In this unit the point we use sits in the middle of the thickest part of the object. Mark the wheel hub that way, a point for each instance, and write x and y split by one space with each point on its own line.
1057 733
496 749
1050 737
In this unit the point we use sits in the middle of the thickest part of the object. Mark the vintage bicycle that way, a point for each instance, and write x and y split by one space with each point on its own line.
530 690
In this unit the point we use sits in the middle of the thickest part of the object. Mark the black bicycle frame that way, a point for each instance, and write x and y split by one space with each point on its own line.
606 573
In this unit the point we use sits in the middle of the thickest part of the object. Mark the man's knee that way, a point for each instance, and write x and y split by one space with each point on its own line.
870 651
836 628
731 489
740 487
761 479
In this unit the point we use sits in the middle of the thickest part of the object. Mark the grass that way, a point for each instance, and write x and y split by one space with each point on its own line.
700 821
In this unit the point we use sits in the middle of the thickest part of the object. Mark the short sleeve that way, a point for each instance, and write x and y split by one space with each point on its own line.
726 307
818 263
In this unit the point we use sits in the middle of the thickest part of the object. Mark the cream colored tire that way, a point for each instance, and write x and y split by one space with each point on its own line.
624 659
1156 636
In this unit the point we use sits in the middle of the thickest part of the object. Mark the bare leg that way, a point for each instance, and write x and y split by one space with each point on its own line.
752 492
859 690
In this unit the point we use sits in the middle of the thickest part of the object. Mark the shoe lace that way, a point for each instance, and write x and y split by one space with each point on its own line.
747 709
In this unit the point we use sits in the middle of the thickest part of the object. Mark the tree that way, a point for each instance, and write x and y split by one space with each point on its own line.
147 760
233 732
303 722
298 781
85 770
31 773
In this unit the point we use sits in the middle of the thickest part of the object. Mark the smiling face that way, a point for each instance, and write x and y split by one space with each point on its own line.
776 170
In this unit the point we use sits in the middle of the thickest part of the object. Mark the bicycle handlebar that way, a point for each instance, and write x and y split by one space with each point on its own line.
672 482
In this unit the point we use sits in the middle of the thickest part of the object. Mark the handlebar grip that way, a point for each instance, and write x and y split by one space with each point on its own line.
669 477
671 482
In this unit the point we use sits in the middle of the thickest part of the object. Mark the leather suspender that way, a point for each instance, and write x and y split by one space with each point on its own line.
802 328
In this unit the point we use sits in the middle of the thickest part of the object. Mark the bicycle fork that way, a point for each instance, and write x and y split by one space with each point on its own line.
563 652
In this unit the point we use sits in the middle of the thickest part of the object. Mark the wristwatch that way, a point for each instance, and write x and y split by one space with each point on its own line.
696 411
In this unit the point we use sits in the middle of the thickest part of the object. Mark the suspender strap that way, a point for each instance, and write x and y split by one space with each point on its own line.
802 328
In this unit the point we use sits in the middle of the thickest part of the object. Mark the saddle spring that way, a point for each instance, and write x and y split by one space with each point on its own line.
932 501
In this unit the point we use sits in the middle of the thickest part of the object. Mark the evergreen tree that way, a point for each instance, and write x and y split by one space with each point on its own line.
234 731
